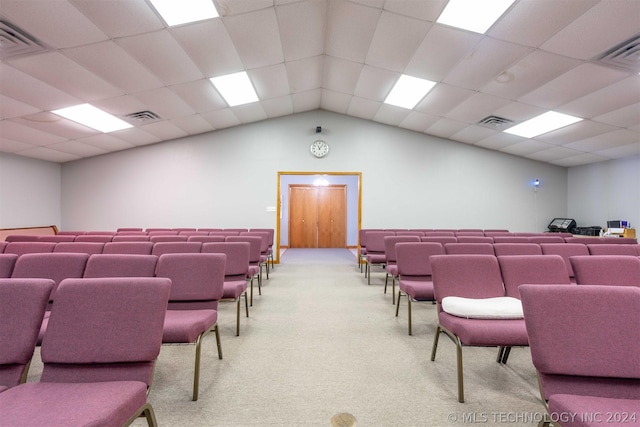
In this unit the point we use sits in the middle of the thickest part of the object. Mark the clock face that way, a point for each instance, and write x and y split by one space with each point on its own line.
319 148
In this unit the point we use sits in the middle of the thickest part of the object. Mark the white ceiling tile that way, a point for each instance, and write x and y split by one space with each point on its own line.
277 107
121 105
476 107
106 142
50 21
581 159
375 83
335 101
305 74
213 59
18 85
15 130
164 130
346 40
192 125
391 115
573 84
621 151
445 128
473 134
62 73
395 40
270 82
236 7
10 108
553 153
163 56
49 155
578 131
597 30
518 112
306 101
526 147
488 59
549 18
165 103
11 146
530 72
137 136
371 3
113 64
605 141
610 98
53 124
417 121
623 117
499 140
363 108
340 75
442 99
200 95
120 18
442 48
248 113
77 148
302 29
255 36
420 9
221 119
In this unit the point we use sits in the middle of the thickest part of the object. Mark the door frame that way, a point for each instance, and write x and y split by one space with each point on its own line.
319 173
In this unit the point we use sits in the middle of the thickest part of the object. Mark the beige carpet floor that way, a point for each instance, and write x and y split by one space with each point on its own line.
319 341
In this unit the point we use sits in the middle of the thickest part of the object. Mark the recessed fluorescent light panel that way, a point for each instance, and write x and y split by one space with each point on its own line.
408 91
473 15
176 12
542 124
235 88
93 117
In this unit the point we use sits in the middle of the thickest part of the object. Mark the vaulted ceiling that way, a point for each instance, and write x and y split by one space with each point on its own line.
337 55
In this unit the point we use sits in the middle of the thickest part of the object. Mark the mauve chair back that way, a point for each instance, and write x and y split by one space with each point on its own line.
160 248
56 238
390 246
196 279
105 329
80 247
612 249
131 248
532 269
7 262
413 258
466 275
517 249
237 263
469 248
20 248
615 270
100 238
22 306
581 339
120 265
254 241
168 238
565 250
205 238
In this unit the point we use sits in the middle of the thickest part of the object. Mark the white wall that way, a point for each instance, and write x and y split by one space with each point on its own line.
605 191
227 179
29 192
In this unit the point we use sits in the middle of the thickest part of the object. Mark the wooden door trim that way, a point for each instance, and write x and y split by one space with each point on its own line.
279 200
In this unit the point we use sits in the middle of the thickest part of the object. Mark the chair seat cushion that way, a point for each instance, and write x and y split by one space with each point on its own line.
96 404
376 258
575 410
184 326
483 308
233 289
392 269
486 332
417 289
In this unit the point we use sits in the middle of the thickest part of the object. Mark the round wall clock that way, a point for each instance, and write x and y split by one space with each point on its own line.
319 148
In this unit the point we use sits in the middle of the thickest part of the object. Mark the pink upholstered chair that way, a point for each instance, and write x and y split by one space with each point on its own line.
469 248
584 343
375 251
612 249
22 306
510 239
547 238
462 238
517 270
439 239
196 287
130 238
160 248
271 233
254 261
120 265
235 274
99 352
390 257
56 238
126 247
168 238
264 249
517 249
26 247
80 247
205 239
7 262
414 271
100 238
472 317
616 270
565 250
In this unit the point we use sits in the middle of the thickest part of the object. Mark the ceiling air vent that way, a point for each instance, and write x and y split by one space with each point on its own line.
17 42
495 122
625 56
143 117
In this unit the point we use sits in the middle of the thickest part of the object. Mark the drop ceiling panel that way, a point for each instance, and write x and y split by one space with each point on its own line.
306 101
106 142
597 30
476 107
375 83
346 40
623 117
256 37
270 82
606 141
163 130
248 113
165 103
340 75
417 121
442 99
610 98
16 131
200 95
526 147
277 107
302 29
49 155
445 128
581 159
576 132
621 151
10 146
10 107
553 154
77 148
335 101
391 115
192 125
473 134
235 7
120 18
115 65
425 10
395 40
363 108
305 74
499 141
18 85
53 124
212 58
163 56
137 136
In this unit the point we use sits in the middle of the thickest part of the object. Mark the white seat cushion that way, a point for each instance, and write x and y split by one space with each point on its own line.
483 308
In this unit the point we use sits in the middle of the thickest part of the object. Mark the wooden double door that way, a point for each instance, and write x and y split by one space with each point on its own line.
317 216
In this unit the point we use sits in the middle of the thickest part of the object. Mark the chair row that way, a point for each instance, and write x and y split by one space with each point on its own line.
479 300
199 281
89 376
